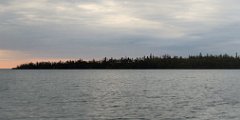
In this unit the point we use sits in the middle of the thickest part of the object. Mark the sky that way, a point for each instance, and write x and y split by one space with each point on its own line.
52 30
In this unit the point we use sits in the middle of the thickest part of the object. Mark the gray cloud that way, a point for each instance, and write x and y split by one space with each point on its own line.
97 28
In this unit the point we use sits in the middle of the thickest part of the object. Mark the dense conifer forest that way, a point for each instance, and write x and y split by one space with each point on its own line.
147 62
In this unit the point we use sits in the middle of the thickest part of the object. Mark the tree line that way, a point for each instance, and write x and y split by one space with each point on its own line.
222 61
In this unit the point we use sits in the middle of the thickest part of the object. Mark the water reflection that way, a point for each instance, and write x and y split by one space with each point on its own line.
120 94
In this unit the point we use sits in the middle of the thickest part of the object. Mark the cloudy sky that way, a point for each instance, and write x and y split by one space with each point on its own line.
33 30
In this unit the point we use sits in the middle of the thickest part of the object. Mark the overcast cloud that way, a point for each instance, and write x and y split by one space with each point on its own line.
32 29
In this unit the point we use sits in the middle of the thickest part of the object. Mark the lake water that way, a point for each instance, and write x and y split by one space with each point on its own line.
120 95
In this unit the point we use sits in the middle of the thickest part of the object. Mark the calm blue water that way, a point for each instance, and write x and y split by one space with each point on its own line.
120 94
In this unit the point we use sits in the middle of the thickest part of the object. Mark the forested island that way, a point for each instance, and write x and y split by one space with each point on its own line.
200 61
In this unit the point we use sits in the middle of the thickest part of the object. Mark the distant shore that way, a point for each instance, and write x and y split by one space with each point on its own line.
222 61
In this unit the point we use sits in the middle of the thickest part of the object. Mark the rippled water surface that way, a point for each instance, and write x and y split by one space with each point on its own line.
120 94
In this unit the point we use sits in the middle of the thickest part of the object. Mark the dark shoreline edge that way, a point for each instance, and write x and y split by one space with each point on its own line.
222 61
120 69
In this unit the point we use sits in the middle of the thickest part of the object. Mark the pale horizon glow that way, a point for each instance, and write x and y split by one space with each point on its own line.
35 30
